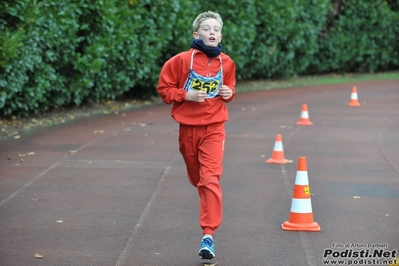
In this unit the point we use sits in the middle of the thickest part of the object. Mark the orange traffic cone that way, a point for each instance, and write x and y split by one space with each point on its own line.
278 152
394 261
354 101
301 216
304 120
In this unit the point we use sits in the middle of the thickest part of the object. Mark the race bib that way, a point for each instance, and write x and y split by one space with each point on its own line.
197 82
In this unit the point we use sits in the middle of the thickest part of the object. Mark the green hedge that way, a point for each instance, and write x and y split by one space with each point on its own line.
60 54
65 53
360 37
286 37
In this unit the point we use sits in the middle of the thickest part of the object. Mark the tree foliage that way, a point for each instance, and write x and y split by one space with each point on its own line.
68 53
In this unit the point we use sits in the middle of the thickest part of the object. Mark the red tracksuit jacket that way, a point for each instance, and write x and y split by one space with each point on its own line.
173 77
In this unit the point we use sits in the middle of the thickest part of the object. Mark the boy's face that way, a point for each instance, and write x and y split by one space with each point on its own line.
210 32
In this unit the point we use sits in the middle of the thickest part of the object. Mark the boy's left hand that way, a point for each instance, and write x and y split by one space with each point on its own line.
225 92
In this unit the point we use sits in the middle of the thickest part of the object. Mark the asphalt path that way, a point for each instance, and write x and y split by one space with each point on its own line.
112 189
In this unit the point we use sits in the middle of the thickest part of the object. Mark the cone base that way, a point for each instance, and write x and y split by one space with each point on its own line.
280 161
304 123
313 227
354 104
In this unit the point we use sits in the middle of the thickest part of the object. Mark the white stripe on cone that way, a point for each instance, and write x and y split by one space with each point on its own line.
301 205
278 146
302 178
304 114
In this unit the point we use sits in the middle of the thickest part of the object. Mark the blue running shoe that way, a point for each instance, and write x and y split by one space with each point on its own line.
207 250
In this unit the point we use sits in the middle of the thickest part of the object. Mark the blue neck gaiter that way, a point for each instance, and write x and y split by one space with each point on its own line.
209 51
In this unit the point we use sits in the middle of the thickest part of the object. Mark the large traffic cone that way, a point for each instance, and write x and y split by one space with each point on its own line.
394 261
301 216
354 101
278 152
304 120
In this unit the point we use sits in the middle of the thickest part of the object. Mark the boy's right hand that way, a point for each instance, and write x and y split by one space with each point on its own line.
196 96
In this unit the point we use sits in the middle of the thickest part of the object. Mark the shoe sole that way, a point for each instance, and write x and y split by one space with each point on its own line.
206 254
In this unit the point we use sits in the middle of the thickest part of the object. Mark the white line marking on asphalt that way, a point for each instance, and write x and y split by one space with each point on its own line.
309 255
13 195
20 190
130 242
380 145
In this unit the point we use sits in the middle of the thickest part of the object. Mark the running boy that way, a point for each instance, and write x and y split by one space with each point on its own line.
199 83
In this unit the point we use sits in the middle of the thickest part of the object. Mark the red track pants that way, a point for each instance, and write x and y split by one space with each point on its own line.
202 148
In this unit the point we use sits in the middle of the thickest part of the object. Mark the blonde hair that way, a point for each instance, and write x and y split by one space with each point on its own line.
204 16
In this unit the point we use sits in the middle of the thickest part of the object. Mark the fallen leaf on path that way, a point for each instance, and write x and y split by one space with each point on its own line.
38 256
14 133
35 199
31 153
98 131
60 221
72 153
356 197
21 157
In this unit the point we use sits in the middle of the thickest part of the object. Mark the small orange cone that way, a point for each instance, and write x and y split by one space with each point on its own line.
354 101
304 120
301 216
278 152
